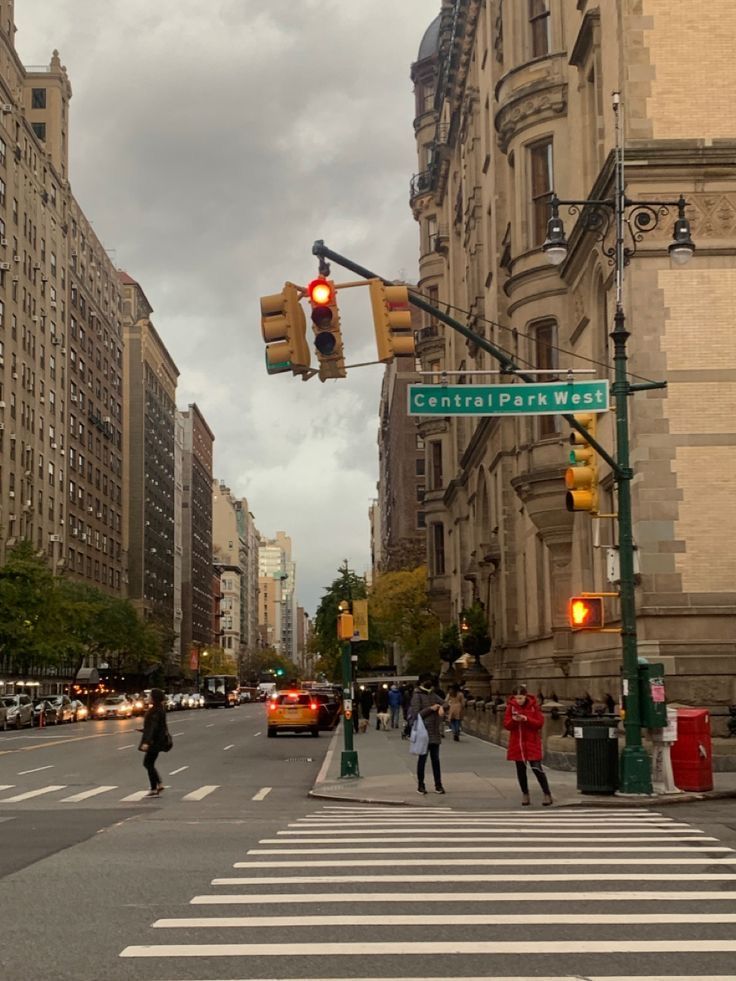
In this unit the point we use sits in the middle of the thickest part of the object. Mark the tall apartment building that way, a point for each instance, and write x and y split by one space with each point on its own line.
149 487
513 100
277 600
401 467
196 575
235 555
60 339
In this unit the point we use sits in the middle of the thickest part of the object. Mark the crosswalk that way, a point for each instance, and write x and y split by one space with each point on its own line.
54 793
360 892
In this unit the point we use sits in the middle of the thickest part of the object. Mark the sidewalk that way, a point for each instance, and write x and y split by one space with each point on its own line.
475 774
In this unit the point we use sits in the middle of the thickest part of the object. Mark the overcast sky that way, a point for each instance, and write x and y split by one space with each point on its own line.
212 141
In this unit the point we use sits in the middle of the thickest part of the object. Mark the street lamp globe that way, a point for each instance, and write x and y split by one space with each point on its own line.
555 245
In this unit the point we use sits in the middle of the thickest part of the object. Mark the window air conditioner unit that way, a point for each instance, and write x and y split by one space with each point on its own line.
4 242
6 107
54 538
2 405
11 493
53 446
36 265
34 318
16 258
83 537
53 304
72 398
74 532
2 426
99 514
29 503
91 510
5 266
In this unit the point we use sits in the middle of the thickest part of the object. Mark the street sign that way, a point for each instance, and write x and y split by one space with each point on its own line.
518 399
360 619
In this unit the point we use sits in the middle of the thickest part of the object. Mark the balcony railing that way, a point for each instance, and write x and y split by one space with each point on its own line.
427 333
420 184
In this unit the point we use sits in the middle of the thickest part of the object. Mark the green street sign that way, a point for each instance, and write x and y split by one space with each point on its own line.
518 399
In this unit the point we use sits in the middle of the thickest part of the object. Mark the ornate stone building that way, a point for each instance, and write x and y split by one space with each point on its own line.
513 100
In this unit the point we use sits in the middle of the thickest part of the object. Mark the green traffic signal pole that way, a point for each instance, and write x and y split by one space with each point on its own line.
349 758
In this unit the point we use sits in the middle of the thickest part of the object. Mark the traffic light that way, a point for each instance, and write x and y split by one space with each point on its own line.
284 329
581 477
326 323
391 320
586 613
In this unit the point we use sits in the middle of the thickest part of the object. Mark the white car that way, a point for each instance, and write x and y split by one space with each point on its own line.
19 710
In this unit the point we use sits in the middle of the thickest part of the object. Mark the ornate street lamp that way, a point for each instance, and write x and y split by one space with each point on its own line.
631 220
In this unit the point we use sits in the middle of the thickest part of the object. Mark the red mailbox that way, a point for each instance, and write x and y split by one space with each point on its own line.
692 754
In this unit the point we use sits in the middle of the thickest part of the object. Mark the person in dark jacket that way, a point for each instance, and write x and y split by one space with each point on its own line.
366 704
425 702
524 721
155 738
394 703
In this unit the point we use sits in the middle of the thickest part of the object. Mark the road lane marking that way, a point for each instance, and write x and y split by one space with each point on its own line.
209 725
327 863
228 747
259 733
178 733
201 792
625 895
440 919
263 792
36 769
353 948
126 746
180 770
452 850
138 795
6 786
33 793
541 877
76 798
557 977
428 820
497 837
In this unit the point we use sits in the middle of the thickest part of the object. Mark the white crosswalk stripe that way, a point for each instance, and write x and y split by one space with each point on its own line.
29 794
95 793
612 896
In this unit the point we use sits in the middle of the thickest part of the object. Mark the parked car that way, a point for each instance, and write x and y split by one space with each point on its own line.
139 704
329 701
113 707
196 700
19 710
169 702
80 710
63 708
245 696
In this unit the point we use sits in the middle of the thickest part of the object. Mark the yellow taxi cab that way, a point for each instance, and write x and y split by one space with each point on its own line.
292 711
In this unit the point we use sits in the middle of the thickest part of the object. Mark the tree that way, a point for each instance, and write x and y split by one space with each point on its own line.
28 629
476 639
348 586
450 646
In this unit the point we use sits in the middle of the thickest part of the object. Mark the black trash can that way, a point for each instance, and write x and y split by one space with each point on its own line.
596 750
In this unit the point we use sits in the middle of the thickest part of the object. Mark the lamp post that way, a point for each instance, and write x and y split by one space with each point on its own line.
631 219
200 655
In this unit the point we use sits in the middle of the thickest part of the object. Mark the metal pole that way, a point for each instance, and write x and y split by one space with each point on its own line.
349 758
635 766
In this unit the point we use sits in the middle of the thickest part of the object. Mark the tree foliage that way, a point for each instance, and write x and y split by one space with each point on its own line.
47 621
476 639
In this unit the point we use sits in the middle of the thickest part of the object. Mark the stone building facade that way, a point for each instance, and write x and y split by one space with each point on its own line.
513 100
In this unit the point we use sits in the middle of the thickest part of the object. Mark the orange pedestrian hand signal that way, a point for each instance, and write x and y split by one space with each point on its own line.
586 613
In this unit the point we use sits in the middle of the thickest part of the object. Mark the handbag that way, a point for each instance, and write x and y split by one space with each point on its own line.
167 741
419 738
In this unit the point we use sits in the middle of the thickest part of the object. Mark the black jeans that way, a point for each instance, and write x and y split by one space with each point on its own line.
434 755
539 773
149 761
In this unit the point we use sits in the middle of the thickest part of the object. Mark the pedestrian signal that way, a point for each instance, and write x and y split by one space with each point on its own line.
581 477
586 613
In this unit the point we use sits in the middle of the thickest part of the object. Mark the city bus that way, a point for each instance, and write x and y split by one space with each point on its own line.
220 690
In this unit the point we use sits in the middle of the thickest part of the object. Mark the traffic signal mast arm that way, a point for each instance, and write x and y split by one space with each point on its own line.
507 363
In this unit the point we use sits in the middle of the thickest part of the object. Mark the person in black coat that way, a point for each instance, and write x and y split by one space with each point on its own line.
155 738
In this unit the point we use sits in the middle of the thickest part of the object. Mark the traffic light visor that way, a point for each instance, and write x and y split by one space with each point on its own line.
586 612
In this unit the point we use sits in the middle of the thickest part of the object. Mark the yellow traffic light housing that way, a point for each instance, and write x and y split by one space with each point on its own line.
586 613
284 329
322 297
581 478
391 320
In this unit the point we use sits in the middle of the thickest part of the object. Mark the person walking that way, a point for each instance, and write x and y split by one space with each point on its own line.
156 738
366 704
456 710
524 720
382 705
394 705
427 704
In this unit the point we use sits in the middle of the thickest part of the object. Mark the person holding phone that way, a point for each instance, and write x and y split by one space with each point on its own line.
426 703
524 721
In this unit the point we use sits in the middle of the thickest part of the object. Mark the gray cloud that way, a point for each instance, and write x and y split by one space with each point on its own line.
211 143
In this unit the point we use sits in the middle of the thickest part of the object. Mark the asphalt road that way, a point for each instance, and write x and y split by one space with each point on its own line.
251 879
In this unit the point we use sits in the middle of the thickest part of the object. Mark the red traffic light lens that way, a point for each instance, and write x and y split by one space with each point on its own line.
320 292
586 613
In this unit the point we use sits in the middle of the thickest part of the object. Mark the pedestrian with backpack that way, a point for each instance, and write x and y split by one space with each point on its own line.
427 705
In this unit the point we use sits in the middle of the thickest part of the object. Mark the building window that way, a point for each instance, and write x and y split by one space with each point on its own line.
438 549
421 519
40 130
539 28
436 477
38 98
420 466
540 164
545 358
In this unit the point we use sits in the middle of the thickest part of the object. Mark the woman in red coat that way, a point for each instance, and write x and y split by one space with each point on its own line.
524 721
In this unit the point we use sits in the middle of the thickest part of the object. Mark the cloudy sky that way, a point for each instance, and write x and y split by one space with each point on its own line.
212 141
